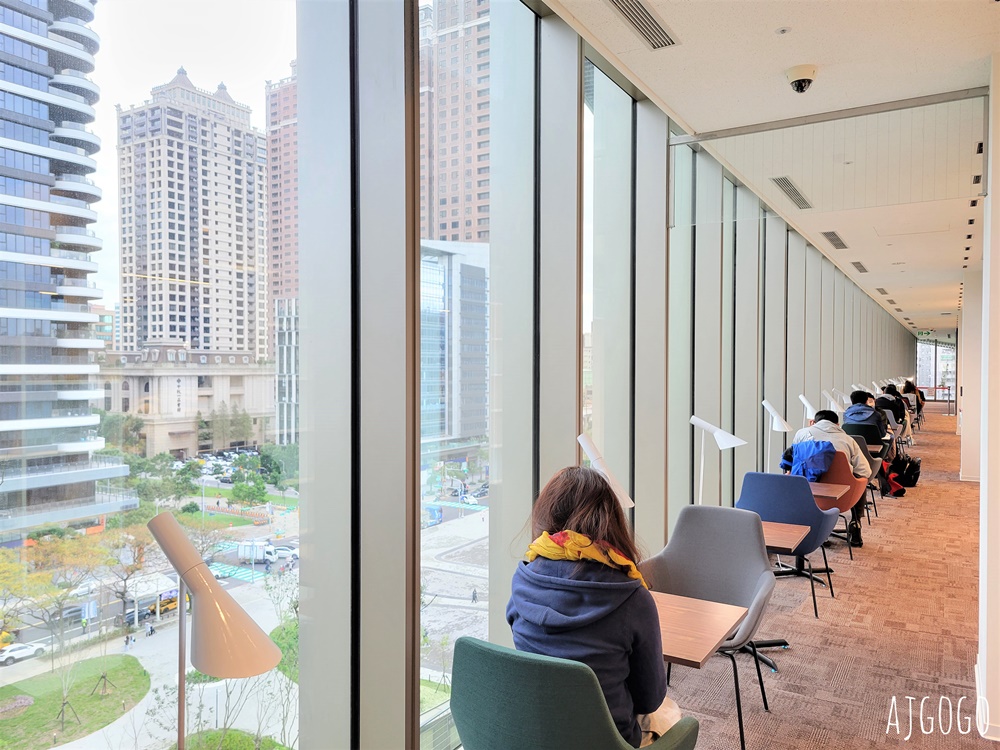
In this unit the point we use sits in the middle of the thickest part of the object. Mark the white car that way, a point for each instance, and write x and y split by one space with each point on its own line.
85 589
17 651
285 552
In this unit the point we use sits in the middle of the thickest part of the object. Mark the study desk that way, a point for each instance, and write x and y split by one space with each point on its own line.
827 491
782 538
874 450
693 629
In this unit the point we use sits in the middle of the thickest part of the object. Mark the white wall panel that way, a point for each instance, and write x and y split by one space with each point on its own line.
708 314
796 333
748 388
814 301
775 254
827 341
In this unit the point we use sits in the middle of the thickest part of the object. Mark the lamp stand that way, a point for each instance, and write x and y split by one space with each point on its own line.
768 461
701 474
181 660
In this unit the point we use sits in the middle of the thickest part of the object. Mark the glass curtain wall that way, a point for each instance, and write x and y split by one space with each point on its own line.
606 269
455 184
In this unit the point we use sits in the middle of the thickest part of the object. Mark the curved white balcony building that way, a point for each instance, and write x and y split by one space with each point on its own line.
47 367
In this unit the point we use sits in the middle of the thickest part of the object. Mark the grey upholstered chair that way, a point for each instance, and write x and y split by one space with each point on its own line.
718 554
502 699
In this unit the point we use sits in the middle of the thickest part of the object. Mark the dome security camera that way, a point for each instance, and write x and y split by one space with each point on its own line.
801 77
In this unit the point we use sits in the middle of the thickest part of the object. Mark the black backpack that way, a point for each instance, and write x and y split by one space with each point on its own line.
907 469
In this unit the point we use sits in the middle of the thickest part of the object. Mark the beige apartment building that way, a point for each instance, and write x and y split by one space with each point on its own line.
191 401
455 120
192 173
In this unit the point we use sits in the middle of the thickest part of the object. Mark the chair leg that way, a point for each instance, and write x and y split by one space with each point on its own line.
847 534
668 672
868 513
874 505
812 586
760 679
739 703
827 566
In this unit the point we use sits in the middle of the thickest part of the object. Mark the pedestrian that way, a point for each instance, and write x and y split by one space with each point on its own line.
133 640
83 624
475 596
149 629
126 644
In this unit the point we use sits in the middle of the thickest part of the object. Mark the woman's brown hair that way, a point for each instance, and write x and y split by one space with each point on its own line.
580 499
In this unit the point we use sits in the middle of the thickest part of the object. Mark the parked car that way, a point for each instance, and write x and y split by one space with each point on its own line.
68 616
85 589
228 479
143 614
17 651
286 552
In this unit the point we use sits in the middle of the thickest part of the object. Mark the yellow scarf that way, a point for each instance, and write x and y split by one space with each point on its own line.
569 545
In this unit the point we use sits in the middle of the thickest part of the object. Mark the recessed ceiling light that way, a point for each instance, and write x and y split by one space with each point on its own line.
973 203
972 221
782 30
968 236
848 163
976 179
899 263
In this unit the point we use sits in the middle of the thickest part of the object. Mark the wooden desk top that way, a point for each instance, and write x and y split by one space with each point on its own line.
783 537
874 449
832 492
693 629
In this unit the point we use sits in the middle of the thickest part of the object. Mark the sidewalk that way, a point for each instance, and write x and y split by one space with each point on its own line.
158 655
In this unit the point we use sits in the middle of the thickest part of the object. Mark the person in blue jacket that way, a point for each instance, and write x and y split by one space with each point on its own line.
862 411
580 596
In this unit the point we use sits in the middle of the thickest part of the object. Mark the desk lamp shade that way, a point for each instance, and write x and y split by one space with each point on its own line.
810 409
833 402
845 399
778 424
598 462
722 438
225 641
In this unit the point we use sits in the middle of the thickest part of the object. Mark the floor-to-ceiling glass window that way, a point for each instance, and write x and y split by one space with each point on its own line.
606 268
454 162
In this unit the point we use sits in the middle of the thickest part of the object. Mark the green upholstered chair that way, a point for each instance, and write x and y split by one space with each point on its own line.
503 699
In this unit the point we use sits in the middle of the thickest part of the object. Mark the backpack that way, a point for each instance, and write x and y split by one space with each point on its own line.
907 470
809 459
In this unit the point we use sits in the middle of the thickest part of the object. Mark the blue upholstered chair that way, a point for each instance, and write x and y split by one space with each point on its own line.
784 498
502 699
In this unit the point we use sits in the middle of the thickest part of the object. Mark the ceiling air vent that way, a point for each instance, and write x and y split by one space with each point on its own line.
648 26
898 309
976 179
834 239
947 313
794 194
891 301
859 266
907 319
979 147
880 290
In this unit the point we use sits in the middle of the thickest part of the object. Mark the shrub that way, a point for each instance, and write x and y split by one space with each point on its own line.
191 507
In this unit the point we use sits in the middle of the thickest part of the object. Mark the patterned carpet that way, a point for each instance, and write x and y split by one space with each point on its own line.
903 623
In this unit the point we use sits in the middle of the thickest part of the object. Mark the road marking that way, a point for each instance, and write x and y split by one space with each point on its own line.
242 574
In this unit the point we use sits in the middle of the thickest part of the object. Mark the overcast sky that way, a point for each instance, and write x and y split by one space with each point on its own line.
242 43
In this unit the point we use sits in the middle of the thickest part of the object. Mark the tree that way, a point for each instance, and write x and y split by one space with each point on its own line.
18 589
250 491
283 459
126 551
58 566
204 431
123 430
242 425
205 535
222 425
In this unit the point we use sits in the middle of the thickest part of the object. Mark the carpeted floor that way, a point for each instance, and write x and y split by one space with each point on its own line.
903 623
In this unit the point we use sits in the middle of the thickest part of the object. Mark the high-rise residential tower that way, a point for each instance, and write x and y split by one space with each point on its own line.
192 173
455 120
283 242
48 435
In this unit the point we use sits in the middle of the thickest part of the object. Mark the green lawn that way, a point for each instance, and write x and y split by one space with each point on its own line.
37 726
287 638
234 739
432 695
211 492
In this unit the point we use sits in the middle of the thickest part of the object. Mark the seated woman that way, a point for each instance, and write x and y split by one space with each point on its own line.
580 596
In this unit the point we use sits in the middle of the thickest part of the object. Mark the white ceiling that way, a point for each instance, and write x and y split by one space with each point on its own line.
895 186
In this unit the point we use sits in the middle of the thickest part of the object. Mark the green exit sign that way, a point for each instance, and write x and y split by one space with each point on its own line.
924 334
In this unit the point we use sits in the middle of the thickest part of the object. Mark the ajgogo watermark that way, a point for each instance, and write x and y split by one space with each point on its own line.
948 715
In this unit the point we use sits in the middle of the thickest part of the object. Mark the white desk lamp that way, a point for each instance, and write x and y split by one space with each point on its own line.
597 461
722 438
842 396
778 424
225 641
833 402
809 412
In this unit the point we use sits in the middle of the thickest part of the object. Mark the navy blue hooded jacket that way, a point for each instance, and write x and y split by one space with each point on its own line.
864 414
597 615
